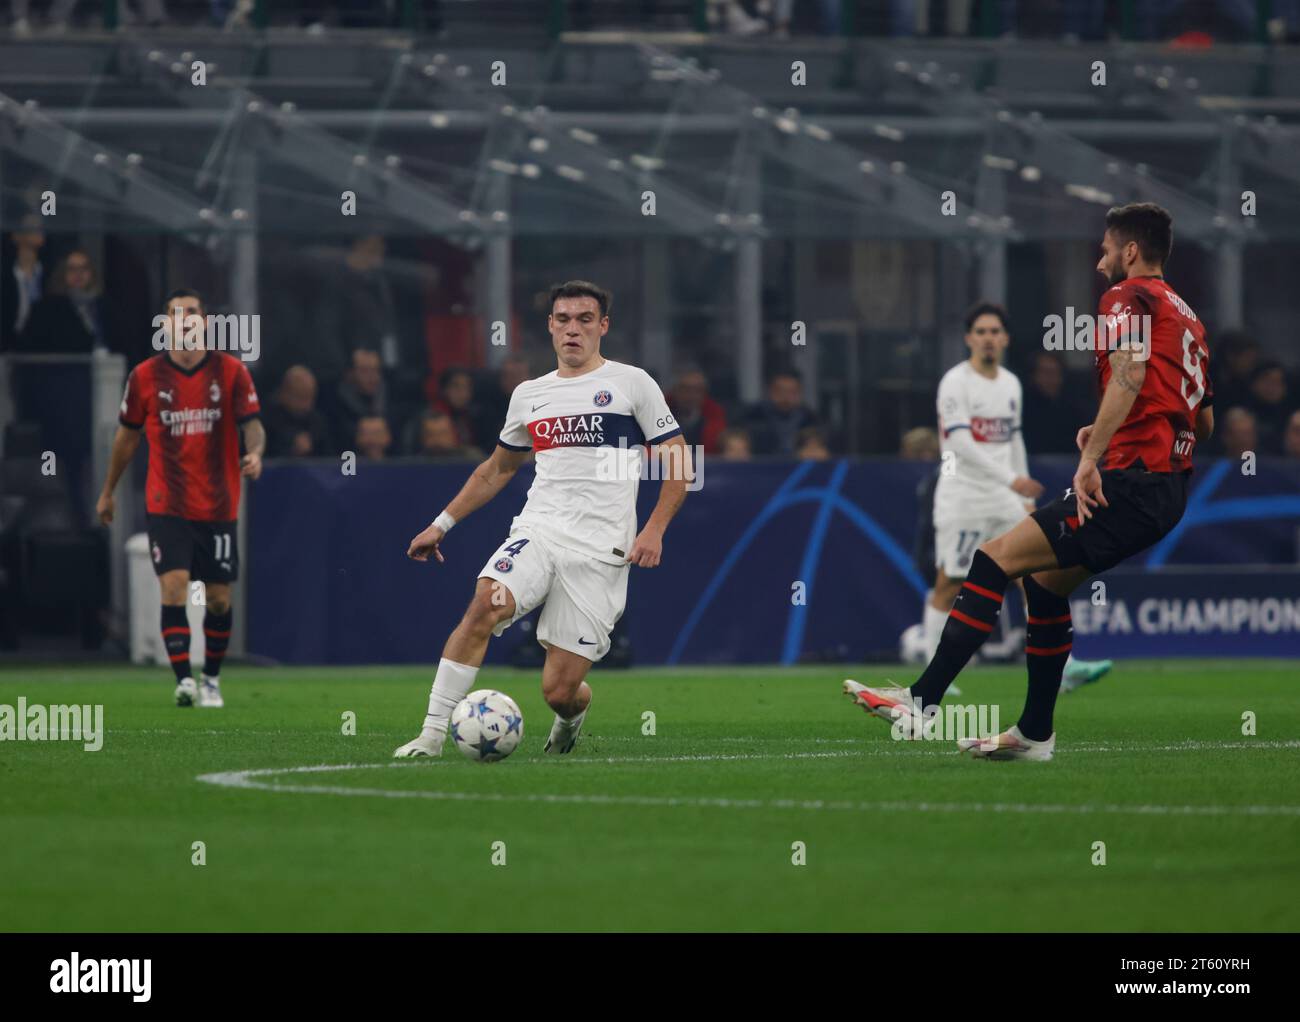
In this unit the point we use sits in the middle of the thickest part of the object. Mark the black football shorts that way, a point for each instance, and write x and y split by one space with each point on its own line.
209 551
1144 507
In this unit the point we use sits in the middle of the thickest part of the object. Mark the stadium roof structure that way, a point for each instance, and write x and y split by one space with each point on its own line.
570 136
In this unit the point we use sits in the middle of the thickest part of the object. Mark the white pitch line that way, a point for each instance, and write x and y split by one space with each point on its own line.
245 779
868 745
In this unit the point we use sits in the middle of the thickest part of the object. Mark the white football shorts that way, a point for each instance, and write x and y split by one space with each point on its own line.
581 598
957 539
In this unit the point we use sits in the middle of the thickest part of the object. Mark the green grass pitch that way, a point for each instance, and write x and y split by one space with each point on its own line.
692 828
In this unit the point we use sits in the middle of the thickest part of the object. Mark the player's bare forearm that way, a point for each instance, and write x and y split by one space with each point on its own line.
1127 376
254 437
254 444
487 480
1204 424
672 495
647 549
125 443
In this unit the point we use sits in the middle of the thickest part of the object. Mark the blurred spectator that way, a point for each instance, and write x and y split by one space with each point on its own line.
811 445
295 427
1085 20
734 445
373 437
1268 392
355 308
1291 438
920 444
152 13
370 317
1050 419
493 400
730 17
701 418
953 17
437 439
361 394
456 400
1232 367
1157 19
70 318
829 11
775 422
1240 433
22 279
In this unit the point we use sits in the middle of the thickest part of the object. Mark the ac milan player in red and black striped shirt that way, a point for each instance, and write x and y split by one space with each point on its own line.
1129 490
193 404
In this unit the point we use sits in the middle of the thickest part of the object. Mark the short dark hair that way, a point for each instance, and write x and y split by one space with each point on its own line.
986 309
582 289
184 292
1149 225
780 371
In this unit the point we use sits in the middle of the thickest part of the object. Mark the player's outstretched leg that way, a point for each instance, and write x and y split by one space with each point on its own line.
568 694
461 658
937 607
973 616
1014 554
1049 634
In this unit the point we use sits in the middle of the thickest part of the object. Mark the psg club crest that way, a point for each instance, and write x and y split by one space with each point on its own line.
603 397
504 564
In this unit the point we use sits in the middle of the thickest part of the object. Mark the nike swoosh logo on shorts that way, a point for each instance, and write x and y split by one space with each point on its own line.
585 642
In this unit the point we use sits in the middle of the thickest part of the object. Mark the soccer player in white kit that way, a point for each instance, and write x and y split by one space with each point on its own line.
570 549
984 486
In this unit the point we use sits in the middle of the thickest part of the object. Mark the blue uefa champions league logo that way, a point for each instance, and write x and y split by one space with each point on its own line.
603 397
504 564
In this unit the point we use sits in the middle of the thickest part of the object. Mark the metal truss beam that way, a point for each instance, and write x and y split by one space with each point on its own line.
1028 140
119 177
284 135
536 136
811 148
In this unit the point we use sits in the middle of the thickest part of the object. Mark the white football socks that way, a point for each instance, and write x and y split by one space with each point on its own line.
933 624
450 685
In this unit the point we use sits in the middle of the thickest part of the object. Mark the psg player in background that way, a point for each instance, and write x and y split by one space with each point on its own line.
1129 490
192 404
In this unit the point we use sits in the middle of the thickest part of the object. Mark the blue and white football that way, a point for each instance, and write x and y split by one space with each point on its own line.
487 726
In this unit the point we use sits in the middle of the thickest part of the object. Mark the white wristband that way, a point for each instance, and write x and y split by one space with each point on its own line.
445 522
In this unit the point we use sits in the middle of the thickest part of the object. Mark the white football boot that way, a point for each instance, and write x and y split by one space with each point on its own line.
210 693
564 734
1011 744
890 703
427 746
187 692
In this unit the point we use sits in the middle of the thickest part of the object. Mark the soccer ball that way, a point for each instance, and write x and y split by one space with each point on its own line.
487 725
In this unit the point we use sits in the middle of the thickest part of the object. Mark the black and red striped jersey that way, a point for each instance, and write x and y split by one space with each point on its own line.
191 418
1160 429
